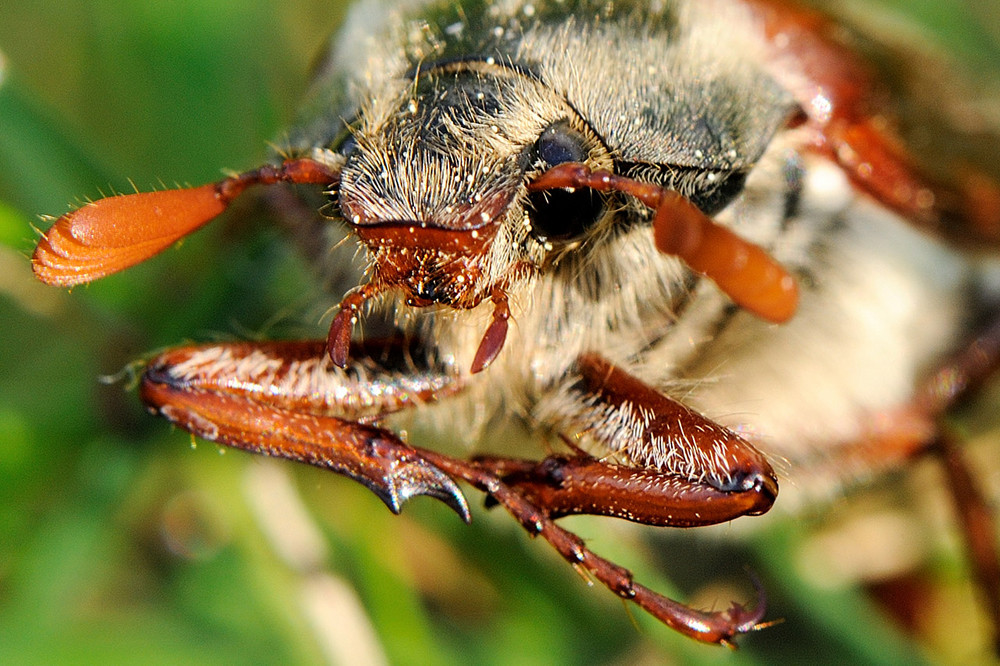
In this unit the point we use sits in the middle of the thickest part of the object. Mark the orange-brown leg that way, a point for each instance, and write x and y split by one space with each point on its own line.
915 429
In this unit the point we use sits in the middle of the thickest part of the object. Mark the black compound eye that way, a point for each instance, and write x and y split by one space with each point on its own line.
346 145
560 215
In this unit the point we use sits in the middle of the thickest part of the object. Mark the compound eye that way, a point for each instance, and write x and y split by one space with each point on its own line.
561 215
346 144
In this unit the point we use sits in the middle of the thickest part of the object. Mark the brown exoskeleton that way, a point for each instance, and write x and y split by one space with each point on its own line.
539 191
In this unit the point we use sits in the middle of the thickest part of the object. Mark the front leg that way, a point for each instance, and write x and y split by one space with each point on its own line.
678 468
285 399
684 471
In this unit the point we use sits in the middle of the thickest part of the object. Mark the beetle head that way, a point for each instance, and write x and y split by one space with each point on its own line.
434 182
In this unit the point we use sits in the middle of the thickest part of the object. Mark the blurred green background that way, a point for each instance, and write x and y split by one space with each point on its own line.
122 543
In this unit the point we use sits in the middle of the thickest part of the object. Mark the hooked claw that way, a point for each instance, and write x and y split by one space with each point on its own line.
743 620
406 475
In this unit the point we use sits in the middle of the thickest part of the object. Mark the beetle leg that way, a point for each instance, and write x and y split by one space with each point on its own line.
894 437
916 428
719 627
842 99
955 380
681 468
284 399
977 520
705 474
581 484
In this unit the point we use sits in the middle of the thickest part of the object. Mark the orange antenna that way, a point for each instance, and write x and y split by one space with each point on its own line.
112 234
744 271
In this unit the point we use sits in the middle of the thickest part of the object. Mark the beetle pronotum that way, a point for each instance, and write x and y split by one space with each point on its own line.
517 184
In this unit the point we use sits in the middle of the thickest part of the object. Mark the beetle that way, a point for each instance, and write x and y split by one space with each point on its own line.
506 202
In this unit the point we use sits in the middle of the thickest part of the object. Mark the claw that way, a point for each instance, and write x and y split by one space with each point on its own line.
719 627
743 620
421 478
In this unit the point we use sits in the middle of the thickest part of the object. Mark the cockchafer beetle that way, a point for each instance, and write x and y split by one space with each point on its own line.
539 190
